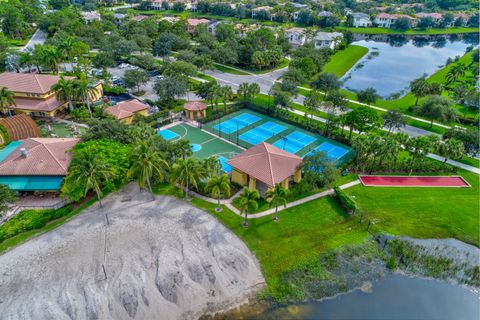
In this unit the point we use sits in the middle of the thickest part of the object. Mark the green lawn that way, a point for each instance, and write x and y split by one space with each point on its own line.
424 212
226 69
343 60
474 162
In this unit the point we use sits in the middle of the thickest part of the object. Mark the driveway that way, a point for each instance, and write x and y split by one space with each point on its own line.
39 37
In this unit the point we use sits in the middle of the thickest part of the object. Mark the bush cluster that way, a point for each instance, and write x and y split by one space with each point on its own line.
345 201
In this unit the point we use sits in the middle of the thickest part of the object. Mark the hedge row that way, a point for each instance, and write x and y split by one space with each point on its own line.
30 219
345 201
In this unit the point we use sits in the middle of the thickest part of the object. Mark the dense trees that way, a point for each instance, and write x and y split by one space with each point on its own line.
7 197
438 108
135 78
394 120
362 119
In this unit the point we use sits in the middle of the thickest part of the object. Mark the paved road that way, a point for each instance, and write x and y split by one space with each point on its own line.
265 81
39 37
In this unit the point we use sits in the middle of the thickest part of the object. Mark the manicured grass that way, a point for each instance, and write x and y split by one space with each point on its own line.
412 32
205 77
474 162
424 212
343 60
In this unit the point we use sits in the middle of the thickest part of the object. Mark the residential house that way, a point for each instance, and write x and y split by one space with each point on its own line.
125 111
263 166
256 10
327 40
361 20
385 20
36 164
34 95
118 18
325 14
193 23
435 16
90 16
156 5
139 18
296 36
298 6
212 26
17 127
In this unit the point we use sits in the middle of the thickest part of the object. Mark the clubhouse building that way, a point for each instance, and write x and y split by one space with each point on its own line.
34 95
263 166
36 164
125 111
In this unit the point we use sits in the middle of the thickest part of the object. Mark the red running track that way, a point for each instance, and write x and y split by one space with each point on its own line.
413 181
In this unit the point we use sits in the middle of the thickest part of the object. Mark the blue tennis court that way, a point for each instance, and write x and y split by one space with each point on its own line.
294 142
333 152
225 166
237 123
262 133
167 134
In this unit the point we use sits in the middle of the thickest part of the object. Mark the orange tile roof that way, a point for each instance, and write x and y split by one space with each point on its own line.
195 106
20 126
46 157
266 163
126 109
194 22
29 82
37 104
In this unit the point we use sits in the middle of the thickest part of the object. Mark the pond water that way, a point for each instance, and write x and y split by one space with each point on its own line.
392 297
394 61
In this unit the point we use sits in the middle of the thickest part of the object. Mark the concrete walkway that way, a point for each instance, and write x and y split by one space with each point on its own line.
229 205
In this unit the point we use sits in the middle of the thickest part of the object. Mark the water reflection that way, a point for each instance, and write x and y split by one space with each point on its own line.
399 59
394 297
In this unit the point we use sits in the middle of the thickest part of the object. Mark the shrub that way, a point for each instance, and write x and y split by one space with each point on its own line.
30 219
345 201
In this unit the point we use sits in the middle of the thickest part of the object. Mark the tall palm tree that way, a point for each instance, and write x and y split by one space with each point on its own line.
88 171
278 196
212 166
457 71
219 185
187 173
216 93
85 91
52 57
248 202
65 89
313 101
147 163
7 99
226 93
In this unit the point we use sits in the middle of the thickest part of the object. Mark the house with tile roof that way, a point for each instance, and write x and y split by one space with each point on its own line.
36 164
34 95
125 111
17 127
296 36
193 23
263 166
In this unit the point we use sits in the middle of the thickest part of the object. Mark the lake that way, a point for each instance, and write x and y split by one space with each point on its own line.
394 61
393 297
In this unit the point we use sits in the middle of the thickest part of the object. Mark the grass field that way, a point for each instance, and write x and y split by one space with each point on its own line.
305 231
226 69
343 60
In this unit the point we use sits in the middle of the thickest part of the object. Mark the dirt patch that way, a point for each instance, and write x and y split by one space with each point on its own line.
154 258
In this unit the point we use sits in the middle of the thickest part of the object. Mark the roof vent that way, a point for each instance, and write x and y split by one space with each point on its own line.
24 152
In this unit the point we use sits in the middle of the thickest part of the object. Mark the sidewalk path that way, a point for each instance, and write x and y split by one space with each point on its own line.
39 37
455 163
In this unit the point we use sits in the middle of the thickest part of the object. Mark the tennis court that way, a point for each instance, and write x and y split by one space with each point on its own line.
235 124
294 142
262 132
332 151
203 144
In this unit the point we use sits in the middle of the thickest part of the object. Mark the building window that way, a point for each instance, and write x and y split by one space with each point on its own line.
32 114
42 114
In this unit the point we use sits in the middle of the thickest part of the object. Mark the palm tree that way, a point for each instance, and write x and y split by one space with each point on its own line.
452 149
278 196
88 170
212 166
7 99
216 94
52 57
248 202
85 91
187 172
457 71
313 101
183 148
147 163
65 91
219 185
226 93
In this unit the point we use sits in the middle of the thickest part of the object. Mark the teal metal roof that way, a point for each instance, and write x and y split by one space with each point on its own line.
32 183
5 152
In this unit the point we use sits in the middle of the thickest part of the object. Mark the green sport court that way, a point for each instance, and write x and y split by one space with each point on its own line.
247 128
203 144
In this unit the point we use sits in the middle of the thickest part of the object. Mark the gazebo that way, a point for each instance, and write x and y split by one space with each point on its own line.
263 166
195 110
